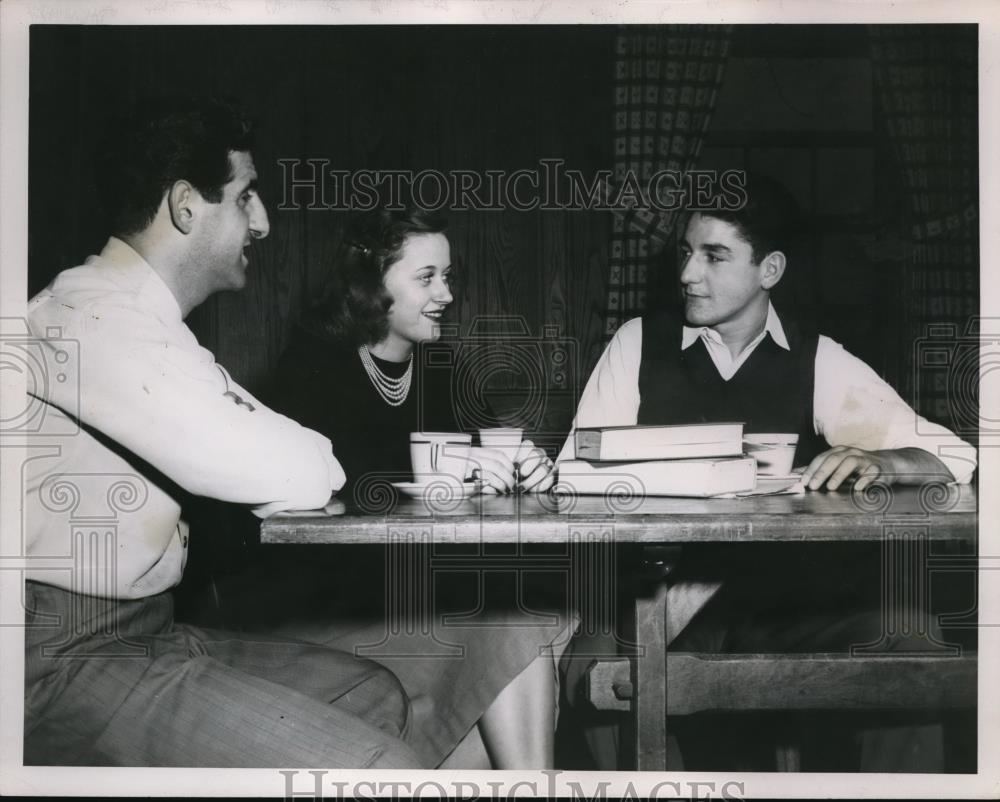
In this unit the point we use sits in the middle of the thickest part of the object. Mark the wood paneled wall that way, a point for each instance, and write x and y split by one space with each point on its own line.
411 98
463 98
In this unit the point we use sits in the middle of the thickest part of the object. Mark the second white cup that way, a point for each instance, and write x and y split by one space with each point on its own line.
775 453
506 439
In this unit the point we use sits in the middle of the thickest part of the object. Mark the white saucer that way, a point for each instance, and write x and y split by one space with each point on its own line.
439 489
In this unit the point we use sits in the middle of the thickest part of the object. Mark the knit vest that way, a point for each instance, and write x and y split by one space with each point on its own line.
772 391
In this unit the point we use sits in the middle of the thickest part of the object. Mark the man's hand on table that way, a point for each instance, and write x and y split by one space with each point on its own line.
904 465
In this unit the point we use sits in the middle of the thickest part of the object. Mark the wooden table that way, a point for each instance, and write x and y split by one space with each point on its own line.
907 521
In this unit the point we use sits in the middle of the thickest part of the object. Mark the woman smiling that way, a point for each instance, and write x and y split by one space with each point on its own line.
355 372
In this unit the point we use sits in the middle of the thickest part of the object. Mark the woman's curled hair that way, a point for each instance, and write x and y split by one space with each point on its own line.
354 309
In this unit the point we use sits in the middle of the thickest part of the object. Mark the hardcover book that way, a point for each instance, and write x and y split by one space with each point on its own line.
632 443
685 477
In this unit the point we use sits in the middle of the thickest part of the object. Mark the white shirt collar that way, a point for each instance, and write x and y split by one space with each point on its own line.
772 326
154 289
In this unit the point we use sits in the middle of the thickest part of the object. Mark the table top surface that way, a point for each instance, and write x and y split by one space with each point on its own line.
937 511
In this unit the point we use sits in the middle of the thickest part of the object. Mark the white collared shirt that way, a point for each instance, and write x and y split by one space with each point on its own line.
852 405
136 376
725 362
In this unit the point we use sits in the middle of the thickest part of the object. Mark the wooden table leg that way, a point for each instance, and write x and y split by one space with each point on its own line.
662 610
649 678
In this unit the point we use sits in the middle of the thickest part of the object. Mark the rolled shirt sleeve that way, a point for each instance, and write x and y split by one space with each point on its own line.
854 406
611 397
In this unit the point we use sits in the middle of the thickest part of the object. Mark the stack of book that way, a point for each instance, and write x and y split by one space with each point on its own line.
702 459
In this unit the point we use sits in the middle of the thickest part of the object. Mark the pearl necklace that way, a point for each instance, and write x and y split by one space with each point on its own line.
393 391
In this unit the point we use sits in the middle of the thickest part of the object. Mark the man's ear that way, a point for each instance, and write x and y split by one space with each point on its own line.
181 200
772 268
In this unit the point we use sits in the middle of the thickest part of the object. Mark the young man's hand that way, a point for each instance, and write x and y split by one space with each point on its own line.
904 465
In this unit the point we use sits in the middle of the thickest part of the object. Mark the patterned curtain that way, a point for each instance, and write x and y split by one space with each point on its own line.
666 81
926 84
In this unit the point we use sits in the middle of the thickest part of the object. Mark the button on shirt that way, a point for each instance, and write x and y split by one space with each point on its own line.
143 414
852 405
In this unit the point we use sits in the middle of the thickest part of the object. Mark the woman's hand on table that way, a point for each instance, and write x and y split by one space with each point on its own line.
535 470
529 470
493 468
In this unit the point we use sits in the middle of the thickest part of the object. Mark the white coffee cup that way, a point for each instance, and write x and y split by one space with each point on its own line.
505 439
775 453
437 455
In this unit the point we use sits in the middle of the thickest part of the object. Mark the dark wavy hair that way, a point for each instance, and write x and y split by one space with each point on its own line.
354 309
770 220
161 140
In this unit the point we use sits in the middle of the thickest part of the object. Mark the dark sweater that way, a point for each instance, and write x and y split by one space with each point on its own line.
324 386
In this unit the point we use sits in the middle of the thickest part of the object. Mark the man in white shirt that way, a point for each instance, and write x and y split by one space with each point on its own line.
110 679
730 357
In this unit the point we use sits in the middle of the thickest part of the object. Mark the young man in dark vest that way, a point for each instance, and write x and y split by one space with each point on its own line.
730 357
